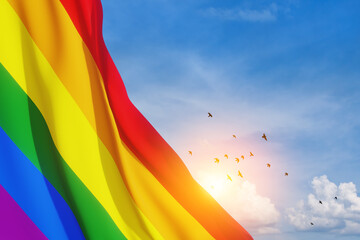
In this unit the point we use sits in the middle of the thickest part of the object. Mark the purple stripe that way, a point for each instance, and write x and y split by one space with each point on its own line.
14 223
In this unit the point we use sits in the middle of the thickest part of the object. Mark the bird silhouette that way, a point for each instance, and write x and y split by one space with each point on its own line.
320 202
268 165
217 160
312 224
210 115
237 160
286 174
227 157
190 152
234 136
229 177
336 198
251 154
242 156
239 174
264 137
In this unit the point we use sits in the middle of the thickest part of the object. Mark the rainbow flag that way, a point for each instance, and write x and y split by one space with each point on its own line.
77 159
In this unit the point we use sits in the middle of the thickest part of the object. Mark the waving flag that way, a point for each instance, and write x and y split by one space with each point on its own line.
77 159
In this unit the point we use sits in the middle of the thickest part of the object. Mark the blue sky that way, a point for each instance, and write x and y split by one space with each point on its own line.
287 68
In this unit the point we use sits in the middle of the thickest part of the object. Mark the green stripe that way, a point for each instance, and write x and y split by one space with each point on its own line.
25 125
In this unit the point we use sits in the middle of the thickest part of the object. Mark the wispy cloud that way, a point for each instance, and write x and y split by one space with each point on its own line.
341 215
251 15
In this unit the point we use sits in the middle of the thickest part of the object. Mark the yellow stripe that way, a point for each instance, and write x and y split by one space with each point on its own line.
73 136
73 61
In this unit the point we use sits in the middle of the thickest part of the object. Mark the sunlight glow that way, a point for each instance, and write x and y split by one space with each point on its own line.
216 185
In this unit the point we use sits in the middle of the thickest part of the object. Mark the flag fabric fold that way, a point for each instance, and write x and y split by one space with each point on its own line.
78 160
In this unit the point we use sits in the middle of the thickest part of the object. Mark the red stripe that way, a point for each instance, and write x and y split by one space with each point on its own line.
141 138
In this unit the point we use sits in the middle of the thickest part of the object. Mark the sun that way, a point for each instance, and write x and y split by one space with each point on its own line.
215 185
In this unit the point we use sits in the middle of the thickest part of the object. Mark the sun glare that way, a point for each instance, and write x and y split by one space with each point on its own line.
216 185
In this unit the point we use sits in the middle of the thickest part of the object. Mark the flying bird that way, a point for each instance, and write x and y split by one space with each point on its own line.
242 156
251 155
268 165
286 174
229 177
237 160
210 115
227 157
336 198
312 224
234 136
239 174
264 137
320 202
190 152
217 160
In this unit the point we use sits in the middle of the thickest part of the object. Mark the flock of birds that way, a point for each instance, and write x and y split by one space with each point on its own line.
217 160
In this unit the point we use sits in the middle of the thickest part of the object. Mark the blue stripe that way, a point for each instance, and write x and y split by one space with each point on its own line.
35 194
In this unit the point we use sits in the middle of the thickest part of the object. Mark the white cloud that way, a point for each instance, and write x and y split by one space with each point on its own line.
240 199
341 215
263 15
